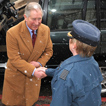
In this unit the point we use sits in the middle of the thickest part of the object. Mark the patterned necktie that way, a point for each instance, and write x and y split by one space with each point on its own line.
33 38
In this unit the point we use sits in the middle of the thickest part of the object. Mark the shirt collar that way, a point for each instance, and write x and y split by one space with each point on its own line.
30 30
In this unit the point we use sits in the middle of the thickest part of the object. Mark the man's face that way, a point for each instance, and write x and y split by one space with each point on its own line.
34 19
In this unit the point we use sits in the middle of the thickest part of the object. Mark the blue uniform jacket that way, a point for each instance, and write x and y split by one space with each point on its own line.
76 82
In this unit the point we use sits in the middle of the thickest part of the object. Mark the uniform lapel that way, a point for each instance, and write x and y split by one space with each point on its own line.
25 35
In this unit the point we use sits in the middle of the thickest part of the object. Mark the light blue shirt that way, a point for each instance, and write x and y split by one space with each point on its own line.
30 31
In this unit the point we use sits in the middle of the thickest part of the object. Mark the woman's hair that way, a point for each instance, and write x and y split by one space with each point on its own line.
83 49
32 6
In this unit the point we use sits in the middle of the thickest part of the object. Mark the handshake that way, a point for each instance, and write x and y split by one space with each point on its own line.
40 72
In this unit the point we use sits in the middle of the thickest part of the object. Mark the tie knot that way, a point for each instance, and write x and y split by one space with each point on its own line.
33 35
33 31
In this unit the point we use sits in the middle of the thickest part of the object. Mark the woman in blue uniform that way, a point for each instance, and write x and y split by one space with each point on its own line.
77 81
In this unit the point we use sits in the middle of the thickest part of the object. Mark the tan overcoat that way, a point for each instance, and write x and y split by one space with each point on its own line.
20 87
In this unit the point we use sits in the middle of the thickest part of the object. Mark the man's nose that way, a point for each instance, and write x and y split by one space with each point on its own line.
36 22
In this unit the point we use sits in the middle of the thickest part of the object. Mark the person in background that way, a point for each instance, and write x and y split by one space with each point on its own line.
77 80
29 46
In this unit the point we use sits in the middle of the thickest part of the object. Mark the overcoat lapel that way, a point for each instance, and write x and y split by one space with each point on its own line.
38 43
25 35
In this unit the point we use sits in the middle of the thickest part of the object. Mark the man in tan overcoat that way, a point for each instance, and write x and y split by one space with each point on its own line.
22 81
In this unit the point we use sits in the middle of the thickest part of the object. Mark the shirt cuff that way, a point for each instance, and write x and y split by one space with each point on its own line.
33 72
40 64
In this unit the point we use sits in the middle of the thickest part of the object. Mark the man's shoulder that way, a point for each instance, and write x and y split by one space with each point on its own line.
16 27
44 26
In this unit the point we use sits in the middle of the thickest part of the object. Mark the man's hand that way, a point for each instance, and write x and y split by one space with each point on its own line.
34 63
40 72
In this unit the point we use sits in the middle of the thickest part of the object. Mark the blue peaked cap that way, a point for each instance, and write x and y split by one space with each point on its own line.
85 32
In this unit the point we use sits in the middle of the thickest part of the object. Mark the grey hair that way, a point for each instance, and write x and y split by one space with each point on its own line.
32 6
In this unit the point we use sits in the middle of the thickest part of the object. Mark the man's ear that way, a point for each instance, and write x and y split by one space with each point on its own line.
25 17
